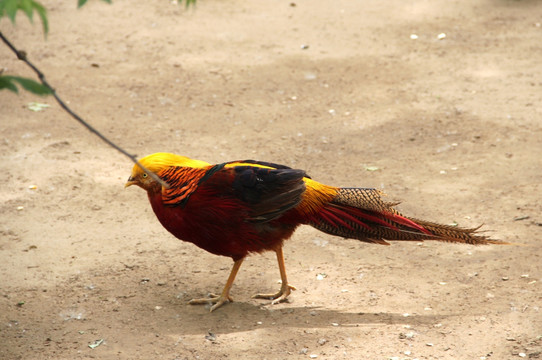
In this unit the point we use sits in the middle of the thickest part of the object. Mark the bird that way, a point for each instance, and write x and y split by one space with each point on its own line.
243 207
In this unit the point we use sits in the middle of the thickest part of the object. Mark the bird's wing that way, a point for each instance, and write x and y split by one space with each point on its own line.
265 191
268 192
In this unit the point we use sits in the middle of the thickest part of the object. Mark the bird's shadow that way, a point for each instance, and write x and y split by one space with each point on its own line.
241 316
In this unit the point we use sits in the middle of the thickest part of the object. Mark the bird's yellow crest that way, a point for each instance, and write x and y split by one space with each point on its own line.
158 161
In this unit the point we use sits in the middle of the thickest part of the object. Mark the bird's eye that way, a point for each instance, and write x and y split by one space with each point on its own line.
144 175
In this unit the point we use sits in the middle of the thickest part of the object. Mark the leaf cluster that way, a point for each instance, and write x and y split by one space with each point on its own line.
10 8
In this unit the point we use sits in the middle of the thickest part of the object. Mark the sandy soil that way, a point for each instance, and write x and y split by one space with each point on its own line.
453 126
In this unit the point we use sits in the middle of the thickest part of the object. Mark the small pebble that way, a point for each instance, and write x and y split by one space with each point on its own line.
313 356
522 354
441 36
413 36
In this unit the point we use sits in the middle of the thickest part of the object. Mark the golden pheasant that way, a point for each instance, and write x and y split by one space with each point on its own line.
242 207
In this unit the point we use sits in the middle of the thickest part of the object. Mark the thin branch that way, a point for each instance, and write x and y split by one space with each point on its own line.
21 55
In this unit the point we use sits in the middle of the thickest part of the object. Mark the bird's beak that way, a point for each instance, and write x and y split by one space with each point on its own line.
130 181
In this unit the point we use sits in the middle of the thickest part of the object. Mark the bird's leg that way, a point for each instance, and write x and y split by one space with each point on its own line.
225 296
285 288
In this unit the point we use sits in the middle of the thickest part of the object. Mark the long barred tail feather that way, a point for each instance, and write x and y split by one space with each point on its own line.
360 213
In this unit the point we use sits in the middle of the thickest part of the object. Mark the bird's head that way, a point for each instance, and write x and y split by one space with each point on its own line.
156 163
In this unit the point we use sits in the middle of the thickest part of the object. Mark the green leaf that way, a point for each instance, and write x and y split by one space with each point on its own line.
33 86
80 3
26 6
8 82
10 7
43 15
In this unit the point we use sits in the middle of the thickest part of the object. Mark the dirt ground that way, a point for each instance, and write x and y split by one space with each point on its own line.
356 93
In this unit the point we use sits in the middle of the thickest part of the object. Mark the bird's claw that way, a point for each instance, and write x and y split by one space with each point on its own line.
279 297
217 300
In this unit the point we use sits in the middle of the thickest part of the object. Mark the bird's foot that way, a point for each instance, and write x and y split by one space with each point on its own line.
217 300
284 292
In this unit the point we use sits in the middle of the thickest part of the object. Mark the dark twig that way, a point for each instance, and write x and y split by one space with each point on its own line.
21 55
